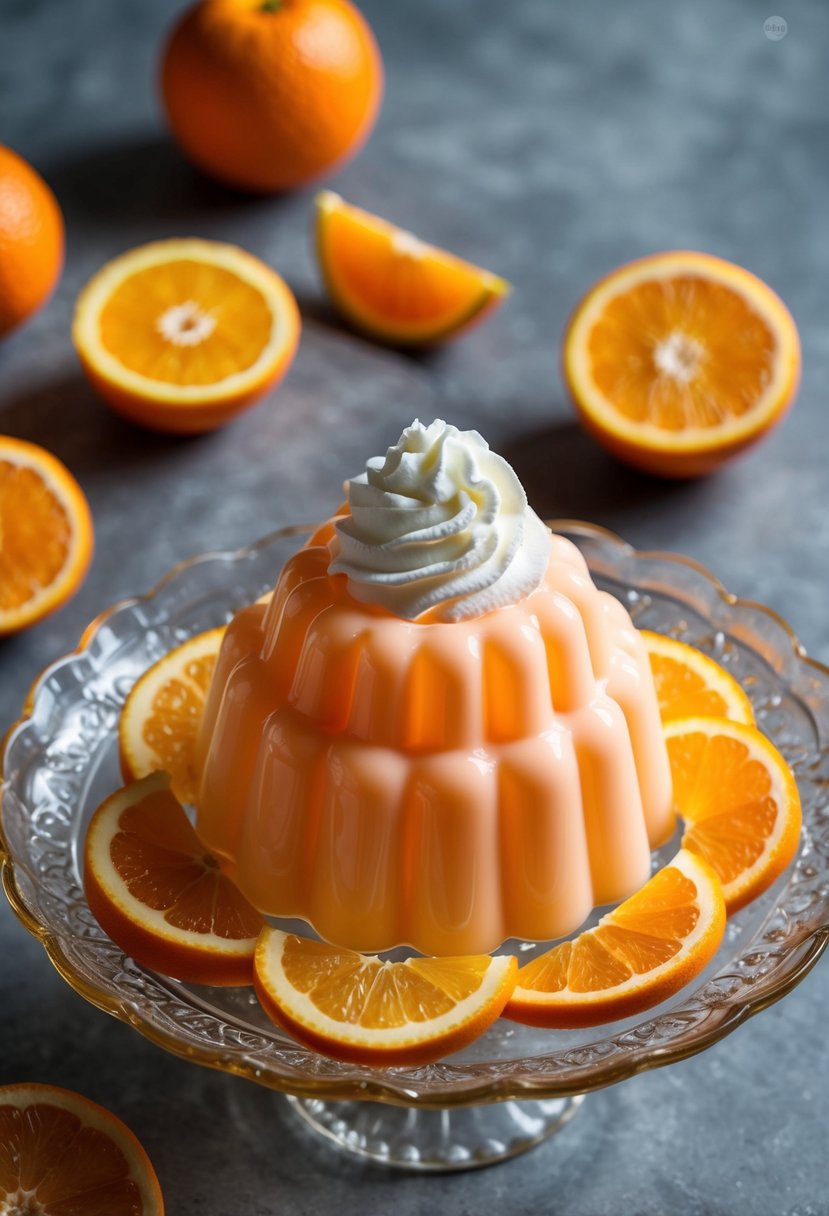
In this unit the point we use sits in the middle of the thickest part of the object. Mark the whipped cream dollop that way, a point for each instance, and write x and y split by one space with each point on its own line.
441 522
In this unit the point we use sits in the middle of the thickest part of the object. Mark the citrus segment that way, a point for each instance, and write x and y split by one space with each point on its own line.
46 534
181 335
392 284
680 360
161 716
62 1155
159 895
689 683
639 954
739 801
356 1007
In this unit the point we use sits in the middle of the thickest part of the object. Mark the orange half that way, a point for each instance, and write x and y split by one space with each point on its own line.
639 954
160 721
182 335
739 801
689 682
393 285
46 534
357 1007
679 361
157 892
62 1155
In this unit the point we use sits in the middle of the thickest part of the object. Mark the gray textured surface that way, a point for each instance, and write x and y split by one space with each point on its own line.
549 142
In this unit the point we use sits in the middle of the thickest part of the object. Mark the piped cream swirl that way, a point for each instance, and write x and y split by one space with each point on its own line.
440 523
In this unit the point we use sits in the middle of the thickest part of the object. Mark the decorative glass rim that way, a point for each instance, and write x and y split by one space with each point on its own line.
794 930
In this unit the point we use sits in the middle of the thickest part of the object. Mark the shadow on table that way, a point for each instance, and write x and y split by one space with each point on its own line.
568 475
145 178
68 418
317 310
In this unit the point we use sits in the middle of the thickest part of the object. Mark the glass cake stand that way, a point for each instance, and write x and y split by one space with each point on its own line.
516 1085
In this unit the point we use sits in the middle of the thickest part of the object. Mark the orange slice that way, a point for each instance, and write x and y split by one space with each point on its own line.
160 720
739 800
160 895
46 534
679 361
62 1155
355 1007
394 286
688 682
639 954
182 335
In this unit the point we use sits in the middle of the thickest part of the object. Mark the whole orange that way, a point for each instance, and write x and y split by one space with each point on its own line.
31 240
266 94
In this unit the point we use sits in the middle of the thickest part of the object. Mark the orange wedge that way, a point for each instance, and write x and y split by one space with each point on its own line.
46 534
639 954
355 1007
160 895
160 720
394 286
679 361
182 335
689 683
62 1155
739 800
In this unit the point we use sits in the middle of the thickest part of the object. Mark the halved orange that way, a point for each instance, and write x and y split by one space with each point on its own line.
688 682
639 954
46 534
739 801
62 1155
160 720
680 360
394 286
182 335
157 892
358 1008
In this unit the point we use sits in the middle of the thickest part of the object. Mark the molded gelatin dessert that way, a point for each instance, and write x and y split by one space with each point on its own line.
438 731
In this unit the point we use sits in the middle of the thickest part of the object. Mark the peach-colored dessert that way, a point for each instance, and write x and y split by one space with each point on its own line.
438 732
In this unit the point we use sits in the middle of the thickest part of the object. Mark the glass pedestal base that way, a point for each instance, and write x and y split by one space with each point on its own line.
460 1138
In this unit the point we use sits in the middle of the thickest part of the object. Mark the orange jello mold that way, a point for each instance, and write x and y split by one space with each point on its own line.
442 785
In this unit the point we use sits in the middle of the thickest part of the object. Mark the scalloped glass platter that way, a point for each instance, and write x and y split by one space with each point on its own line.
515 1085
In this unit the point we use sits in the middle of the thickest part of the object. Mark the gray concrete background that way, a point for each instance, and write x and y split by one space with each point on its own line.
550 142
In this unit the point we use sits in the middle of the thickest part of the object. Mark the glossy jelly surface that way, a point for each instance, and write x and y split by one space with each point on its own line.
445 786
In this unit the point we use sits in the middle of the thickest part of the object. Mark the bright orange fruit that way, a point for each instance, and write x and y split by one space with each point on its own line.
62 1155
639 954
160 895
394 286
739 800
31 240
679 361
688 682
46 534
356 1007
266 94
182 335
160 720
